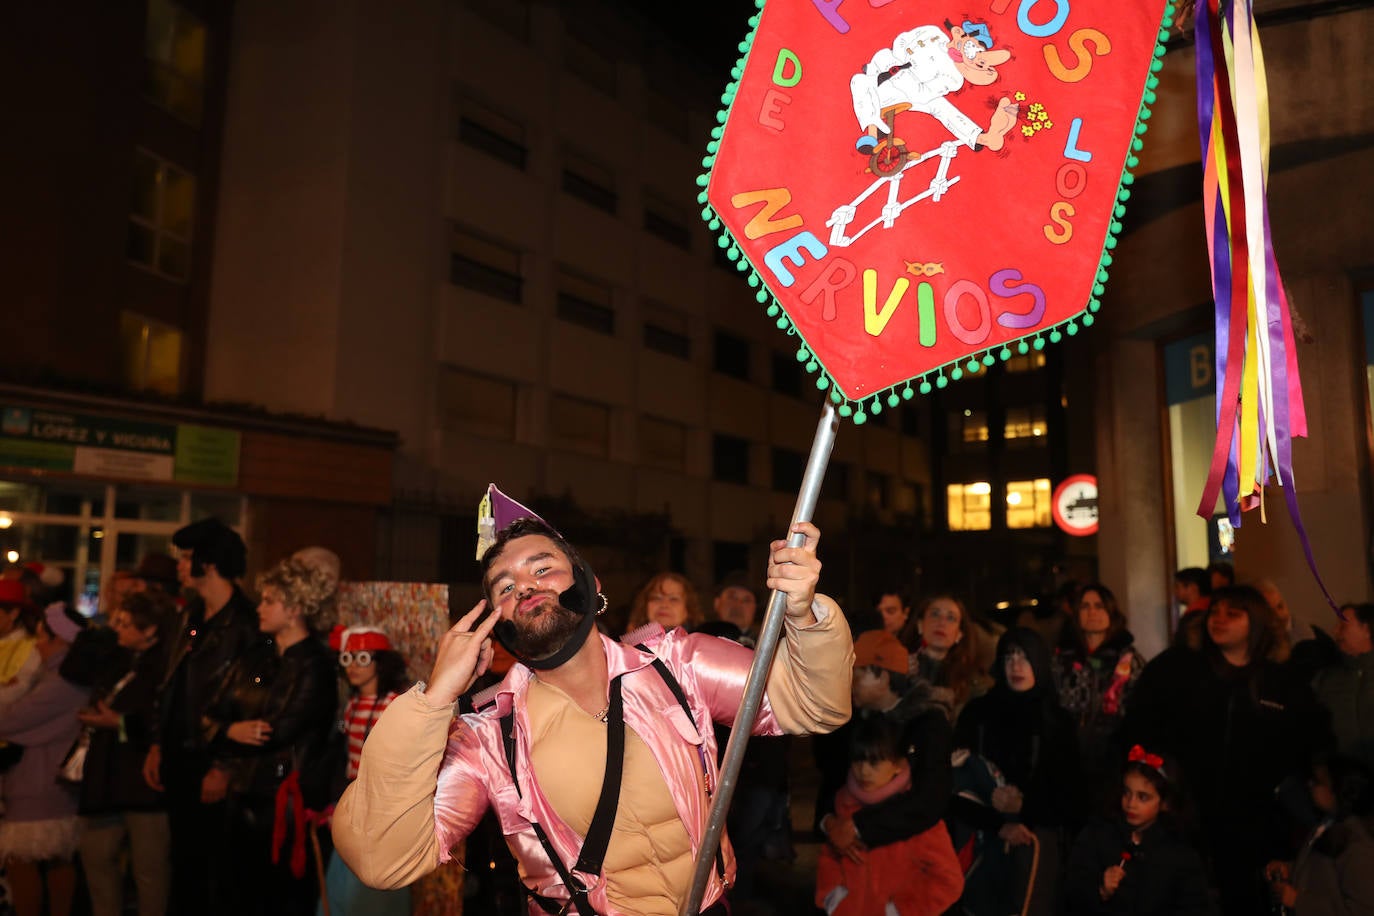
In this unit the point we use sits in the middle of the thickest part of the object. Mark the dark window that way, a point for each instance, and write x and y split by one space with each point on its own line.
596 67
666 341
728 557
456 542
670 228
730 459
665 329
485 266
789 377
731 355
836 483
587 314
589 181
911 421
788 469
588 191
492 133
586 302
668 114
876 489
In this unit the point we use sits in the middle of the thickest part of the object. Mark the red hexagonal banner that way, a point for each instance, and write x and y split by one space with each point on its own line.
920 184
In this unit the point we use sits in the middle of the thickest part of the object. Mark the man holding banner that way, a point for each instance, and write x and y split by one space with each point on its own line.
597 756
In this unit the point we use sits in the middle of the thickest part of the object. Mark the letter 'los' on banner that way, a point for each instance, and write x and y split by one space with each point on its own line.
916 189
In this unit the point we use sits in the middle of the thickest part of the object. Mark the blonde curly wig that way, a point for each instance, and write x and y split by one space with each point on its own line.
305 587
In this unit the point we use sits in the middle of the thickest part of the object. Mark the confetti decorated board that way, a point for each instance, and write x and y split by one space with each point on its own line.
414 615
916 188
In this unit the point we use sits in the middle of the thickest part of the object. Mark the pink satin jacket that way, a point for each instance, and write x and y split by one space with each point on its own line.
808 691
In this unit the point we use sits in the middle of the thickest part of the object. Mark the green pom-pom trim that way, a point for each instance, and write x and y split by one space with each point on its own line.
872 404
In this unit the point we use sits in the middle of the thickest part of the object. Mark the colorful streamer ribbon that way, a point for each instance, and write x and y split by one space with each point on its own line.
1259 394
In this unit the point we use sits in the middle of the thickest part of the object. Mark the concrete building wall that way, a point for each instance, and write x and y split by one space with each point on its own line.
344 176
1323 134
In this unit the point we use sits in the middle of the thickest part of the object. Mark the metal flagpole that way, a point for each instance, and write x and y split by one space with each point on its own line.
763 662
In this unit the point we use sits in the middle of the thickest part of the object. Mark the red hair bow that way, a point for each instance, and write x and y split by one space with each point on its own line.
1138 754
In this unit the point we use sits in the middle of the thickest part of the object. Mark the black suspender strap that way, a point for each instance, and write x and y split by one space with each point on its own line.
599 833
593 854
676 688
592 857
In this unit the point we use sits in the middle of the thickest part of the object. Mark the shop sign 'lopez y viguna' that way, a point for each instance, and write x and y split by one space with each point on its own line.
917 187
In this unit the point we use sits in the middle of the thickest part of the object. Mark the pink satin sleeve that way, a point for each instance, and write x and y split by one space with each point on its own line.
808 687
720 668
460 796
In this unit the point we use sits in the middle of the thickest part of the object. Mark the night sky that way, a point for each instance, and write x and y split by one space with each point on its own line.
713 29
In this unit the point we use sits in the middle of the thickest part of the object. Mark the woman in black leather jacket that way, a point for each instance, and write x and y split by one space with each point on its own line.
274 718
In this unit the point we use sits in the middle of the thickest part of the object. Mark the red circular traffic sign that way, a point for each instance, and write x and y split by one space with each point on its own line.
1075 505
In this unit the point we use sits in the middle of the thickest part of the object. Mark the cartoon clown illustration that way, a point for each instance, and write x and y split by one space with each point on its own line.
922 67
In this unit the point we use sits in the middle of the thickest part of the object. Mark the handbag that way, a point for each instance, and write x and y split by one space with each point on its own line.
72 769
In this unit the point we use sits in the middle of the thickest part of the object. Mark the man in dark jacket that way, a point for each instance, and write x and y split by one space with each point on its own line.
1346 688
882 687
218 626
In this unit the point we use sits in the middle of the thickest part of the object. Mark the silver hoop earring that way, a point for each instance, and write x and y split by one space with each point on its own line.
604 603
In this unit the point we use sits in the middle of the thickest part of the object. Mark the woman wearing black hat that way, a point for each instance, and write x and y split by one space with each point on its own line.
1020 728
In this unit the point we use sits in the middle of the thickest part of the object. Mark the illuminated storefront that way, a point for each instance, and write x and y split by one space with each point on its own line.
90 486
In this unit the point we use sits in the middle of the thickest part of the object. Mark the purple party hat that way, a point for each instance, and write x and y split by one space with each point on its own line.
495 512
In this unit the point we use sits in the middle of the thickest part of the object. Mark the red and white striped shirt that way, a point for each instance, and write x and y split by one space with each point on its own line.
359 717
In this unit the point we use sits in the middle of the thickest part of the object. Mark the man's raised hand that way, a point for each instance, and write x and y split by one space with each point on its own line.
464 655
794 571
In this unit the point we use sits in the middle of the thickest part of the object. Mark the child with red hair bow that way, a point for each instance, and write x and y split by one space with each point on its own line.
1136 861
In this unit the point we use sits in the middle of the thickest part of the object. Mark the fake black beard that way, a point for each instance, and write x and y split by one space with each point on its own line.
543 635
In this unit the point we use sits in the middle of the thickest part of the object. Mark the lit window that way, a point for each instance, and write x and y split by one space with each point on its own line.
973 426
161 215
1035 359
1025 423
477 405
491 132
174 49
580 426
970 507
1028 503
485 266
152 354
586 302
662 443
